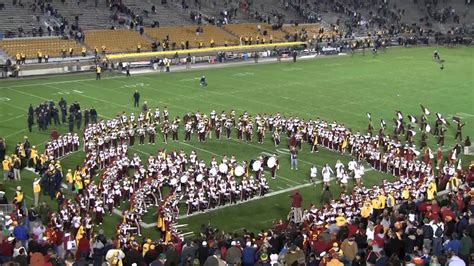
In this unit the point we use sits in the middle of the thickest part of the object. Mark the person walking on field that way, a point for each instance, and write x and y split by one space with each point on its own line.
136 98
98 71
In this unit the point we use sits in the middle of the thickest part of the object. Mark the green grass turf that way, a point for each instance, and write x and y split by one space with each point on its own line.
336 88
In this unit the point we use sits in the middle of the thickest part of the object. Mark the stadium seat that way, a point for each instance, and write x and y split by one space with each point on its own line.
250 30
30 47
117 41
188 33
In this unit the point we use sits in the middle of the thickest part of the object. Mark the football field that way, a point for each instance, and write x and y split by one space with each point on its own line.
341 88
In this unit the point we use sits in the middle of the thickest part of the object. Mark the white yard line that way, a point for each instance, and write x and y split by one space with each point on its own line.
57 82
13 118
17 132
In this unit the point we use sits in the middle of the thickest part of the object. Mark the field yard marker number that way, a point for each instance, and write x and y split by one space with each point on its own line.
4 99
243 74
136 85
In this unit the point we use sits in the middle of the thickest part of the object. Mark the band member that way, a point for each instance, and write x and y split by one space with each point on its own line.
151 134
218 130
260 133
441 136
275 167
188 131
459 131
313 173
228 128
131 136
314 143
141 135
326 172
165 130
276 138
174 130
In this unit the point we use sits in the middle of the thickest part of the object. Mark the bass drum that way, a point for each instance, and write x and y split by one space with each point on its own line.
239 171
256 166
271 162
173 182
223 168
213 171
184 179
199 178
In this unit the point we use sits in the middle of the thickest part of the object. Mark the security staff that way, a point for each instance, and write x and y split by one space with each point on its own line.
30 122
98 71
18 200
136 98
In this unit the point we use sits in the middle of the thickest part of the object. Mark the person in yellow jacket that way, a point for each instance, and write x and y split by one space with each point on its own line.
78 184
36 190
39 54
340 220
431 190
18 58
146 247
377 206
453 183
405 193
98 71
84 51
6 166
69 179
18 200
211 43
366 210
33 160
139 48
390 201
382 200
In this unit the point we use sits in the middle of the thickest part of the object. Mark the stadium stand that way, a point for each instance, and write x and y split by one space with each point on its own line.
152 13
51 46
19 20
189 33
115 41
85 14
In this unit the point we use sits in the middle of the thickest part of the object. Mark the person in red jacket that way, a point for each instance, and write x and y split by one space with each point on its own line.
83 248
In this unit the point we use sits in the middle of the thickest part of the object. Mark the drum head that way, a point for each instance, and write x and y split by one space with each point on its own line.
256 166
239 170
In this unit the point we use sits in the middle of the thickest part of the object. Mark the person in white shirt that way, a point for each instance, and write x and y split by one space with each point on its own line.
313 174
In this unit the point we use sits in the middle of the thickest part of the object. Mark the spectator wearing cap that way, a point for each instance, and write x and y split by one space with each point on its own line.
6 249
234 253
452 244
160 261
466 247
248 254
203 252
